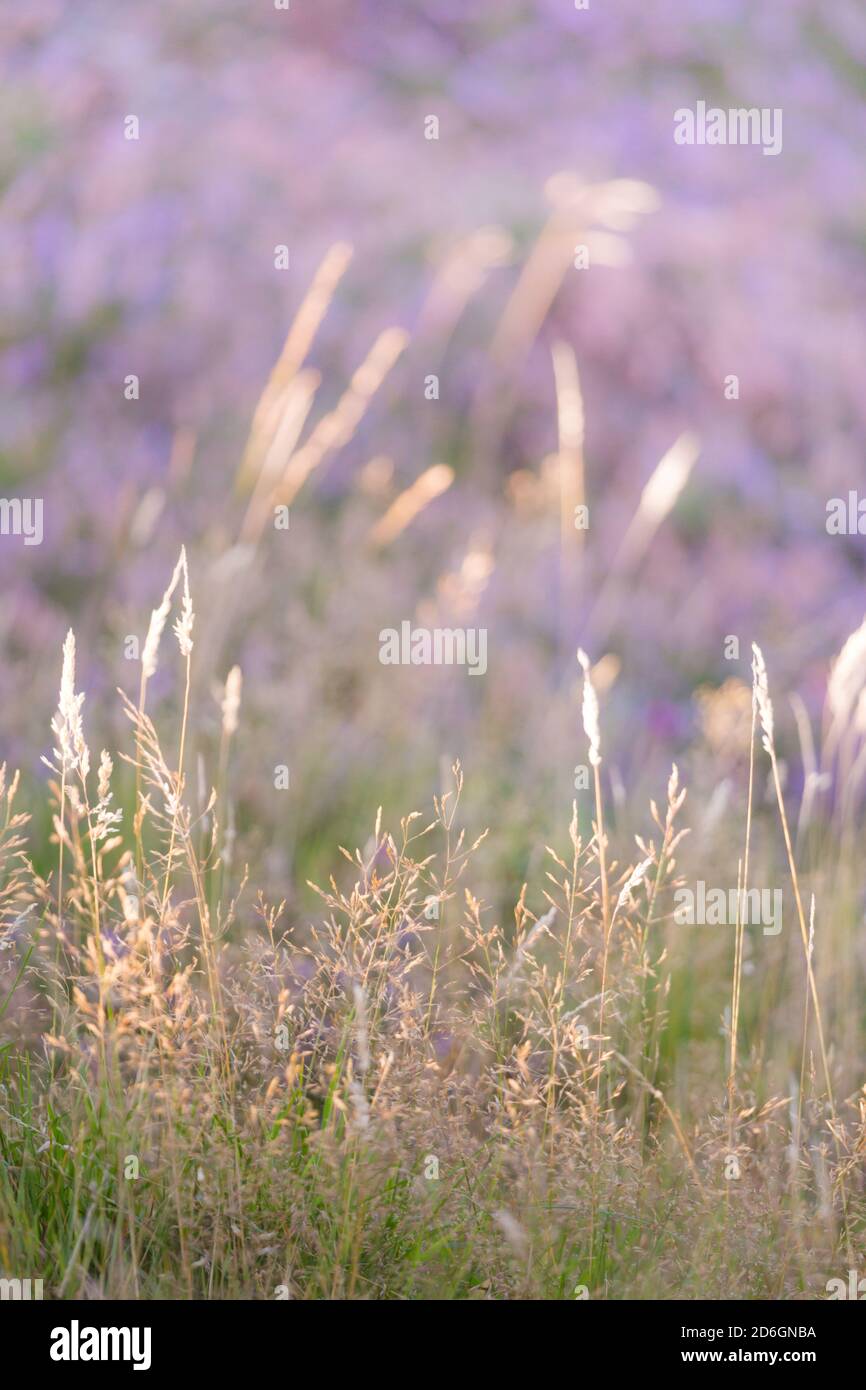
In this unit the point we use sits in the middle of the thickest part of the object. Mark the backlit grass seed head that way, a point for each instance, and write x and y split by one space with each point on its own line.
231 703
183 626
360 1105
669 479
635 878
362 1037
847 680
659 497
513 1231
104 818
590 711
541 927
67 725
761 692
106 767
158 620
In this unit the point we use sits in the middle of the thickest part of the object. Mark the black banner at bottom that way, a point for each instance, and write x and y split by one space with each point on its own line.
81 1339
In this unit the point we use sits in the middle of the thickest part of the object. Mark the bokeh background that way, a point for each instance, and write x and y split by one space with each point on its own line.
306 128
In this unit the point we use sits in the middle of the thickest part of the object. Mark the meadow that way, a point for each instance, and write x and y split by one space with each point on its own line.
429 469
408 1095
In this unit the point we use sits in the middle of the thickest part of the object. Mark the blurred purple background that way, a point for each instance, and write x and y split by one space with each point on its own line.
155 257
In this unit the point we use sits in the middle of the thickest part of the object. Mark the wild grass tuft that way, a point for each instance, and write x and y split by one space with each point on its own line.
403 1097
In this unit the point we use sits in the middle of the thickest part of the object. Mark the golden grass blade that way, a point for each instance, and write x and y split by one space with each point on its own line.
432 483
299 339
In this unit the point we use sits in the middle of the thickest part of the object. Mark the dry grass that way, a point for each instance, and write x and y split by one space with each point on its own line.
404 1098
204 1094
